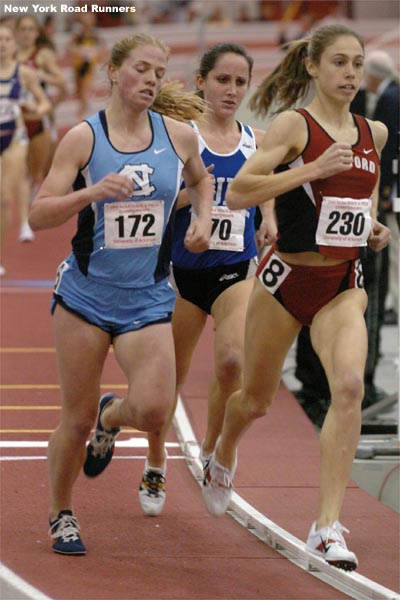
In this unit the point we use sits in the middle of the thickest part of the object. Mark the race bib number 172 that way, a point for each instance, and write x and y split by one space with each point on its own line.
133 224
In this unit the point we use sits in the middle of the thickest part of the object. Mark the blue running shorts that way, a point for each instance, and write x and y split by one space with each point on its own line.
114 309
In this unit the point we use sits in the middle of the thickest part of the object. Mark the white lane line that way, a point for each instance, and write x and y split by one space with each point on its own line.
32 457
353 584
12 584
134 442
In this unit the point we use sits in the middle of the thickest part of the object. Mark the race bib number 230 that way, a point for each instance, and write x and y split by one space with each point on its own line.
344 222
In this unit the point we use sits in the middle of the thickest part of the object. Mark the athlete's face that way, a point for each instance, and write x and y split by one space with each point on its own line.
340 71
226 84
7 44
26 33
140 76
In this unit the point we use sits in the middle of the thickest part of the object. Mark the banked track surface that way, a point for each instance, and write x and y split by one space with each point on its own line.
353 584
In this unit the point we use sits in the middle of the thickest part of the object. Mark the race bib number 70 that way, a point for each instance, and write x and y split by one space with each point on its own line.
227 231
133 224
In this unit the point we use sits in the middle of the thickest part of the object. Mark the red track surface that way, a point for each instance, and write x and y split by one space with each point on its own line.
185 553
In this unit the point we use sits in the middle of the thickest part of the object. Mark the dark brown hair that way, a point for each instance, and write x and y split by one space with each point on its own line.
210 57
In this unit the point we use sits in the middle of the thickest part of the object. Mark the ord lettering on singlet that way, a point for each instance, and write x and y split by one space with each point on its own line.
344 222
274 273
227 231
133 224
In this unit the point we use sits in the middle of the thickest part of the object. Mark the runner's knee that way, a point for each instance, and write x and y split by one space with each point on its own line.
147 416
79 427
229 367
348 390
257 405
151 418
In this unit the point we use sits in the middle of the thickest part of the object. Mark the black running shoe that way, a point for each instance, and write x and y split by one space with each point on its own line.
65 532
100 449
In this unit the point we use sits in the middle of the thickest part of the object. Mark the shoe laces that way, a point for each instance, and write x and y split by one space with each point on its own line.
220 477
153 482
335 533
227 479
102 442
66 527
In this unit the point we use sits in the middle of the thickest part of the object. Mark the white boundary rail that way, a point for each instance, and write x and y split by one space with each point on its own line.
354 585
11 585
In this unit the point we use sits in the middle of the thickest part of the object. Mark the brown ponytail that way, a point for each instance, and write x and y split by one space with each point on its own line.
288 83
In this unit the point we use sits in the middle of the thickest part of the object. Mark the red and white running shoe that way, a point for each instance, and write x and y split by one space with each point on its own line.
217 486
329 543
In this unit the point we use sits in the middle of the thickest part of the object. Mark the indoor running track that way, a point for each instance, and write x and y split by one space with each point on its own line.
185 554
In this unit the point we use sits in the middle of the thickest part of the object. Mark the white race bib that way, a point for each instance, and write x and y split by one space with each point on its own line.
227 232
9 110
133 224
344 222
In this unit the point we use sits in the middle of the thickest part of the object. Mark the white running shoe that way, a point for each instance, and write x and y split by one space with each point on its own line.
26 234
217 486
2 271
329 543
204 458
152 493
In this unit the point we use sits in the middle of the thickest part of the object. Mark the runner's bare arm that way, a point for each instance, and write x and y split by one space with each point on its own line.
55 203
255 183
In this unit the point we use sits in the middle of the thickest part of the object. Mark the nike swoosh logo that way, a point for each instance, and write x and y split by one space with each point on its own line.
159 151
324 545
367 151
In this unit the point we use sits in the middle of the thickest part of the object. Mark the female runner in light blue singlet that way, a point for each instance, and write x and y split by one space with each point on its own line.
125 164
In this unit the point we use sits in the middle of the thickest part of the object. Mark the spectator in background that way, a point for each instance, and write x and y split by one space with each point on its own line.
47 33
164 11
45 39
110 19
269 10
307 13
14 182
32 51
379 101
88 50
382 80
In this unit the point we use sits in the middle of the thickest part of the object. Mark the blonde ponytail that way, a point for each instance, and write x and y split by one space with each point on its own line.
172 102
